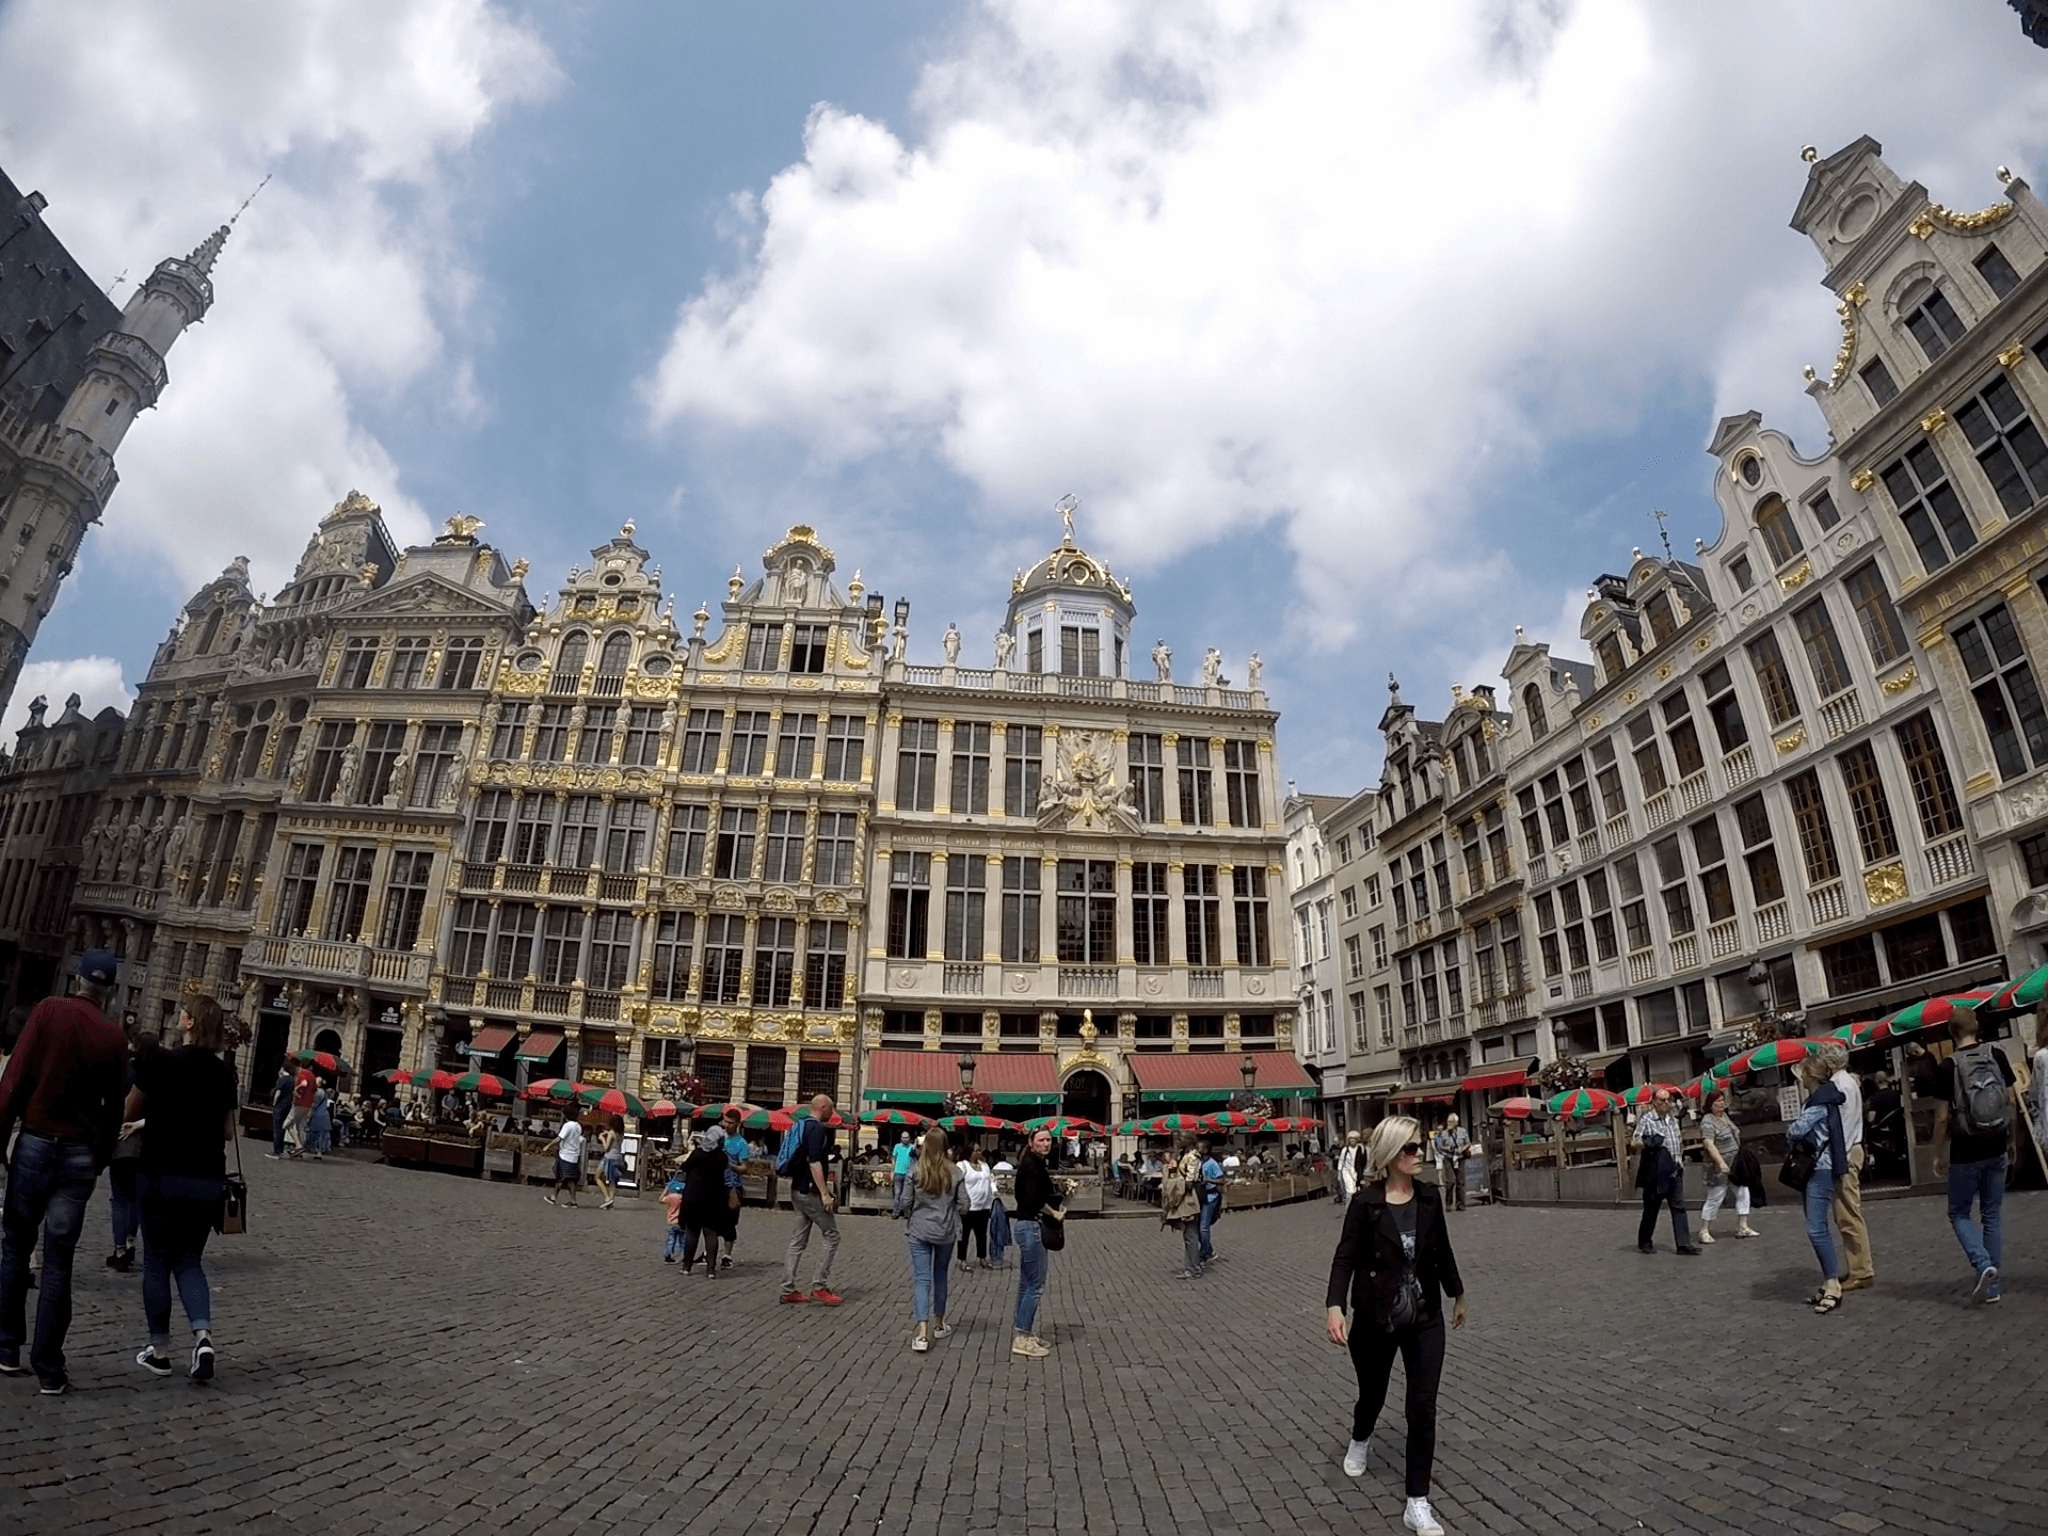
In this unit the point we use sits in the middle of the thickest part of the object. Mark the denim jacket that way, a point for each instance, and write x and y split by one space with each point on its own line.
1821 1122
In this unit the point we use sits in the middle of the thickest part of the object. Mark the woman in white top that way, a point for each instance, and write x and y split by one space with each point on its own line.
2040 1085
981 1195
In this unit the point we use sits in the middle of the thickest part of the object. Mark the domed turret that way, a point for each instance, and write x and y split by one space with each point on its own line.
1069 613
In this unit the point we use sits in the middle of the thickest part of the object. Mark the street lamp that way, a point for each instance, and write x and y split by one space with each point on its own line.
1248 1069
966 1066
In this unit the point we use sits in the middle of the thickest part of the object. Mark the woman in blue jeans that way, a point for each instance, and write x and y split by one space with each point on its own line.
184 1100
1035 1206
938 1193
1819 1124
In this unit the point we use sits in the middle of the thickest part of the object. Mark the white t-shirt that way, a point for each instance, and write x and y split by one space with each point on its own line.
1852 1107
981 1185
569 1142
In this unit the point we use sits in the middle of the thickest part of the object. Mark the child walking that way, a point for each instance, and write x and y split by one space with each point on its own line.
672 1202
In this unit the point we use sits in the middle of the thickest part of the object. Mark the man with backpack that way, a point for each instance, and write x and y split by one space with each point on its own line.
802 1160
1973 1117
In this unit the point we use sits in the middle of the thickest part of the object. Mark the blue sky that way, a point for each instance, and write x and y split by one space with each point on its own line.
1363 333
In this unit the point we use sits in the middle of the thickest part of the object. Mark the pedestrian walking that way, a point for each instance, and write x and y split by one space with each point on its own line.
1659 1173
280 1110
899 1176
1723 1145
1974 1111
810 1197
2041 1078
1819 1126
64 1084
1348 1157
1211 1173
672 1208
1035 1206
736 1154
1858 1271
1393 1266
305 1088
568 1162
981 1198
320 1124
122 1176
938 1195
1450 1162
706 1215
611 1160
1180 1207
184 1100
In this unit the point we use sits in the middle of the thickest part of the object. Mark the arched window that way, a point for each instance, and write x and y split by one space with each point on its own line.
1532 705
618 650
211 633
569 665
1781 534
1608 649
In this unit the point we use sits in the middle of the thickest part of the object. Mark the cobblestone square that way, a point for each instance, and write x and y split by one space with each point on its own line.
410 1352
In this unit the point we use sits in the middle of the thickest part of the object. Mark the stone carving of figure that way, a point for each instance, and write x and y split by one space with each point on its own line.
1005 643
1162 660
796 584
950 643
451 787
90 846
131 847
345 781
401 778
295 771
1212 667
1253 668
153 843
174 846
899 637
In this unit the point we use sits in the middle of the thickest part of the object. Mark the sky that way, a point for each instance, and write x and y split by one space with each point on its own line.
1362 332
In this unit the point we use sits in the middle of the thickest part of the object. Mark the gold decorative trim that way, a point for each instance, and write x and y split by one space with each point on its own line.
1592 722
1935 216
1664 671
1980 783
1862 480
1790 739
2010 357
1629 696
1934 420
1852 301
1903 681
1885 884
1792 580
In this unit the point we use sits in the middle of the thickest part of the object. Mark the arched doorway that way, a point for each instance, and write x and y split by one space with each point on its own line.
1086 1096
328 1040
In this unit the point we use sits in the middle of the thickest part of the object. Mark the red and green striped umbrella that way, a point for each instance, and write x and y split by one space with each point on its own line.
1697 1088
1583 1103
1130 1128
441 1080
977 1123
893 1116
560 1088
1286 1123
488 1084
1643 1093
1519 1108
396 1077
793 1112
2024 993
326 1061
718 1112
1230 1120
1929 1014
1166 1125
1066 1125
1772 1053
1864 1032
669 1109
612 1101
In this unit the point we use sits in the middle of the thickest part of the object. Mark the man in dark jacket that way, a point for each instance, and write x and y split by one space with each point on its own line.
64 1084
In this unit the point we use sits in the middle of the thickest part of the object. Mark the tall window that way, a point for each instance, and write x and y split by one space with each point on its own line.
333 740
796 747
1148 778
1600 901
551 737
1774 522
1607 779
1197 806
1023 761
749 752
825 965
1034 651
1932 320
917 765
966 905
1875 616
1759 851
1148 914
1532 706
1879 381
1254 937
1642 736
1997 272
733 858
970 768
1929 506
785 859
1934 793
1203 914
1816 835
434 761
1717 891
357 658
512 947
508 736
764 647
845 737
1678 910
807 650
1663 621
295 895
834 862
1080 651
1241 783
701 733
608 958
1496 844
1867 803
2008 700
381 746
1823 509
643 737
1824 657
725 956
490 826
1773 679
910 897
1084 917
774 961
1686 756
1722 707
471 939
408 662
594 743
627 831
2007 444
567 675
350 894
405 897
461 662
675 936
1020 910
686 832
561 945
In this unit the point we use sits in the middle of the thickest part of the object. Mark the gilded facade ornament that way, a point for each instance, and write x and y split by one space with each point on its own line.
1903 681
1791 739
1934 420
1852 301
1862 480
1885 884
2010 357
1934 216
1796 578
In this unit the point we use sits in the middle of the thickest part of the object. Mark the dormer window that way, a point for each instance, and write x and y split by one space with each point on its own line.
807 652
1034 650
1823 509
1663 622
1608 649
1996 271
1080 651
1532 706
1932 320
1878 380
764 647
1739 570
1781 535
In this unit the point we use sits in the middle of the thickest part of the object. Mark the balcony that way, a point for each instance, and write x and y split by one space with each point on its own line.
1950 859
1088 981
1773 921
1738 767
1582 983
1657 809
1539 868
1724 937
1642 966
1589 847
1685 952
1205 983
1618 830
1693 792
1828 903
1841 714
339 960
962 981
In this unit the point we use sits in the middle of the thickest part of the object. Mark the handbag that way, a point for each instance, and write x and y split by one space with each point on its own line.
1052 1230
233 1215
1797 1171
732 1199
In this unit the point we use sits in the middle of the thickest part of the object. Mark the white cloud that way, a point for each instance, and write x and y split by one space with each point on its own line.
97 681
146 125
1335 269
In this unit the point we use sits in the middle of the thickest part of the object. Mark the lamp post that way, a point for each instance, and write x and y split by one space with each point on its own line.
966 1065
1248 1069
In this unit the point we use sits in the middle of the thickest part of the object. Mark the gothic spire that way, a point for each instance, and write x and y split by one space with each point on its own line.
209 248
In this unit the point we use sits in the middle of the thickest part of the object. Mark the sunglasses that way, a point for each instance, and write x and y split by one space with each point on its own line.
1412 1149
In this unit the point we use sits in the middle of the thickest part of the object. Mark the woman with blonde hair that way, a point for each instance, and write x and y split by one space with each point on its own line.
1393 1265
934 1197
1819 1126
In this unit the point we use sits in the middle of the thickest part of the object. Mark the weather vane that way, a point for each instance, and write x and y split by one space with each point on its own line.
250 199
1662 532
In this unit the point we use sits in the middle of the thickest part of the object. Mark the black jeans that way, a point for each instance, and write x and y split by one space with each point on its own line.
1674 1193
974 1224
1422 1359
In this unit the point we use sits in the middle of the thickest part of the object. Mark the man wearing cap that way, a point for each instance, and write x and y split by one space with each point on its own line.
64 1084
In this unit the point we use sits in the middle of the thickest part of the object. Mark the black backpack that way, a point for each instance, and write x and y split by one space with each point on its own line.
1981 1106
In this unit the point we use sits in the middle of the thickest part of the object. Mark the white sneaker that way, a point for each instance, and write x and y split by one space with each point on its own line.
1706 1234
943 1331
1354 1457
1421 1519
919 1343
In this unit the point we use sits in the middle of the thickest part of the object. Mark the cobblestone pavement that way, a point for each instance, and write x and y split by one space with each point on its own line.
409 1351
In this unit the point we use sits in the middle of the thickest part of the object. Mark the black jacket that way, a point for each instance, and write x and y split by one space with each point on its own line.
1366 1269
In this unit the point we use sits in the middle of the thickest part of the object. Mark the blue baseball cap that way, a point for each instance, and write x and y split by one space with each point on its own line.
98 966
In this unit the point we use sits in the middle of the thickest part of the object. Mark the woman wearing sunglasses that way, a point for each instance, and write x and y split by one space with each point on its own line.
1394 1264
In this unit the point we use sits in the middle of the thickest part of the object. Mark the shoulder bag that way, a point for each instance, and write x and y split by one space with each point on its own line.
1800 1157
1052 1229
233 1215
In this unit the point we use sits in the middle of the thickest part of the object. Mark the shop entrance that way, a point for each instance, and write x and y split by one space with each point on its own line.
1086 1097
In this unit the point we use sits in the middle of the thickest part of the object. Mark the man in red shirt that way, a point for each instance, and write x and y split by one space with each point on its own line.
305 1087
64 1084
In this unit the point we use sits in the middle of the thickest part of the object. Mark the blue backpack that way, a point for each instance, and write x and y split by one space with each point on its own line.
792 1143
